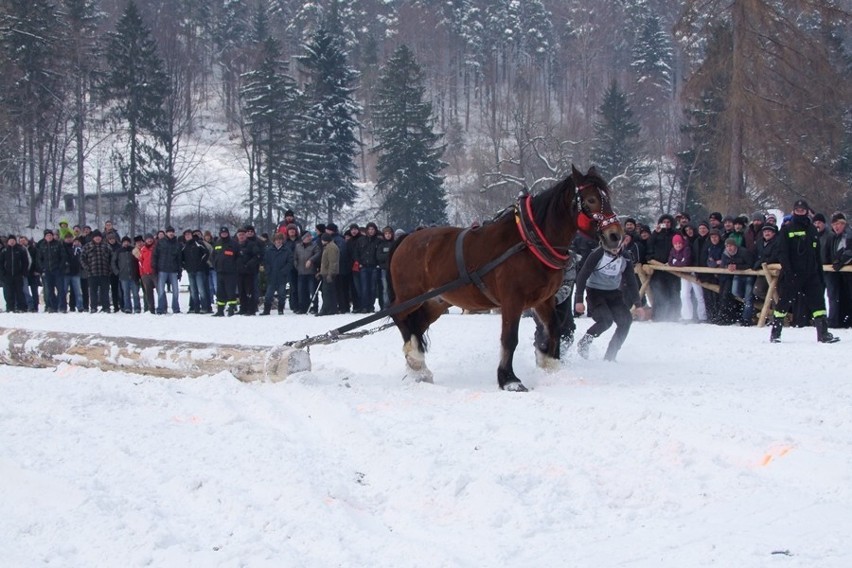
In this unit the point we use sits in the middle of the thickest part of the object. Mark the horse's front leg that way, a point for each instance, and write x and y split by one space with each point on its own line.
506 377
546 335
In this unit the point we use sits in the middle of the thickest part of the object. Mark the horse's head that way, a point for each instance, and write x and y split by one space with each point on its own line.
595 214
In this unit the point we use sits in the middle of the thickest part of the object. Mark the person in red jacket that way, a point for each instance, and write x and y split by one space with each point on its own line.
147 273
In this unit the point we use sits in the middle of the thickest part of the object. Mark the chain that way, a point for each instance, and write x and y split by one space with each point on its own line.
334 336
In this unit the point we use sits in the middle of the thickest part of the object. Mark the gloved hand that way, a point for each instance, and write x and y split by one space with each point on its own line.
837 266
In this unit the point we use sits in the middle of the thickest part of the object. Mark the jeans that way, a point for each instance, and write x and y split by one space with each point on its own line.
369 276
28 295
742 288
53 298
130 296
75 285
172 279
198 298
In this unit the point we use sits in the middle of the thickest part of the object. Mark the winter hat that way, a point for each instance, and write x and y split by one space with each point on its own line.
326 237
331 227
307 235
398 233
716 215
125 239
12 238
677 240
819 217
170 229
149 236
48 232
704 224
838 216
741 220
224 229
770 227
292 227
138 239
189 231
715 232
801 204
96 233
730 242
758 217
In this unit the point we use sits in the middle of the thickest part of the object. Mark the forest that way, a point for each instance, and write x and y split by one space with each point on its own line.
441 111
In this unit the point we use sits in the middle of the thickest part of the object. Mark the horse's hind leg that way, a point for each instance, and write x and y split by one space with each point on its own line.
413 327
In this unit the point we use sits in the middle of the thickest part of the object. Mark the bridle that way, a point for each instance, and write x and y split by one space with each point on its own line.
586 219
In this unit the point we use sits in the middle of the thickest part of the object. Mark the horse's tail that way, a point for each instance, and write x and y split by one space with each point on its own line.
396 242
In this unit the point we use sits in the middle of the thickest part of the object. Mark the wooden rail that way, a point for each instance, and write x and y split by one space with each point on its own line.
769 271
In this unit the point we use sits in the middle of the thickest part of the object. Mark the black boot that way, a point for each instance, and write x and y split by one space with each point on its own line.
232 309
220 312
583 345
266 309
775 331
823 335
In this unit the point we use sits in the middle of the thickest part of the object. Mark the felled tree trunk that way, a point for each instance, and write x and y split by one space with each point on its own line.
162 358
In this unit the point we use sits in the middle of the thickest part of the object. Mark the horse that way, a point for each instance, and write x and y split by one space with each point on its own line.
513 262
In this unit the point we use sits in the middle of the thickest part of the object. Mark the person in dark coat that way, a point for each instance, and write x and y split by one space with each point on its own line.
736 290
306 260
166 261
248 265
343 282
73 279
801 271
329 266
13 268
366 250
277 262
194 255
125 265
51 259
838 253
767 253
225 254
96 261
665 286
32 279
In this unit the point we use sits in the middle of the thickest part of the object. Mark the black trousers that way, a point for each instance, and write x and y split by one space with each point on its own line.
812 291
607 307
226 289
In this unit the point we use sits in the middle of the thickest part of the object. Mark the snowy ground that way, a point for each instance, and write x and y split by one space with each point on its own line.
702 446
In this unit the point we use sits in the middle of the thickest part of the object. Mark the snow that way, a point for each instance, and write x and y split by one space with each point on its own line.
702 446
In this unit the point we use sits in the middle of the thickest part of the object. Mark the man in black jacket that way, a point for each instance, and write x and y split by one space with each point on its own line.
194 255
51 259
801 272
13 267
166 262
225 253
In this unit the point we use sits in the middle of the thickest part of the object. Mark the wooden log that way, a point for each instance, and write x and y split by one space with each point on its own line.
157 357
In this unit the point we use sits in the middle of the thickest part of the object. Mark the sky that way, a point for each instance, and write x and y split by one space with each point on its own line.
700 446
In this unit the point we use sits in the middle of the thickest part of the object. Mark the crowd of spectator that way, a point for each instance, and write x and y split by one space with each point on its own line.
325 271
79 269
733 244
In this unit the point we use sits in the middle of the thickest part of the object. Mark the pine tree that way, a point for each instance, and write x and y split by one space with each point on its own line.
271 104
331 123
136 86
617 149
409 159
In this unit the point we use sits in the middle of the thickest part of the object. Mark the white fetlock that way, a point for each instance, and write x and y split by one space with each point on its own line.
545 361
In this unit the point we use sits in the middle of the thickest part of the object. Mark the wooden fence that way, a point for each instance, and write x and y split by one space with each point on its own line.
769 271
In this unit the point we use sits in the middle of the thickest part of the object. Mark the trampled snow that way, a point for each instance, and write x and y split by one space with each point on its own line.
701 446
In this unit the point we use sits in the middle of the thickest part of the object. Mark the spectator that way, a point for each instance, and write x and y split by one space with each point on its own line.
838 253
277 261
125 265
51 259
329 266
681 255
166 262
307 256
801 271
225 253
96 261
13 267
664 286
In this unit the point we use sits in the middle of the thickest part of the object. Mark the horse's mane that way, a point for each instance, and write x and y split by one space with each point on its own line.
554 203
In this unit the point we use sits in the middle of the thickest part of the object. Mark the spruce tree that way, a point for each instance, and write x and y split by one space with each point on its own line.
331 123
617 149
409 157
136 86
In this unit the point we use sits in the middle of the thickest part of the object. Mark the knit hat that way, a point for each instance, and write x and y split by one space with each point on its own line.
307 235
224 229
138 239
48 232
12 238
96 233
125 239
770 227
331 227
677 240
801 204
819 217
730 241
716 232
292 227
170 229
838 216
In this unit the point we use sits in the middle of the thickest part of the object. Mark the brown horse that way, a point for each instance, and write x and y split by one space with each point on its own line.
514 262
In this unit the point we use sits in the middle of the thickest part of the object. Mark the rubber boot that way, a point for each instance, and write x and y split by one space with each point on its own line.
220 312
232 309
583 345
775 331
823 335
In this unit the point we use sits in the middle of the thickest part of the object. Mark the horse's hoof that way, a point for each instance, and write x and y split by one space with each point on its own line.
515 386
